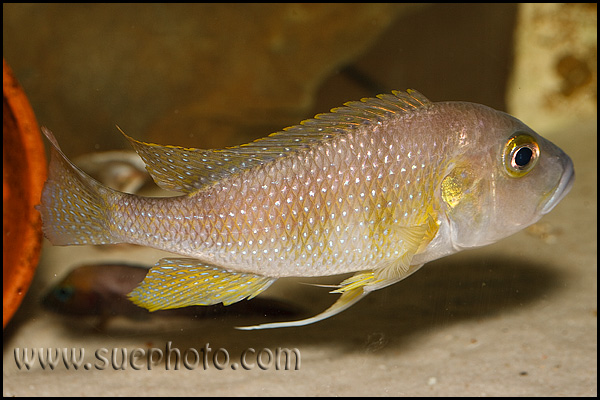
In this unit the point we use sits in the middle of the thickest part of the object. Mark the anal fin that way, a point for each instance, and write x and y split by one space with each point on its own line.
182 282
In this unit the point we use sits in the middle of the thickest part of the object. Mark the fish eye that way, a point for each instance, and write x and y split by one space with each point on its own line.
64 293
521 153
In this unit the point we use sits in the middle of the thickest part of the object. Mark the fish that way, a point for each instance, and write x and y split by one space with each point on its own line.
100 290
376 187
96 290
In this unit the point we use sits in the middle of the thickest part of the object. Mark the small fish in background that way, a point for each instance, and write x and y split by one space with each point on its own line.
378 187
100 290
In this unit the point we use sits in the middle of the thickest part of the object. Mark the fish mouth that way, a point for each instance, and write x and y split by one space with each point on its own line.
564 186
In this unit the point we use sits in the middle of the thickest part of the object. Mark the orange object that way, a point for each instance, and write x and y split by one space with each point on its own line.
23 176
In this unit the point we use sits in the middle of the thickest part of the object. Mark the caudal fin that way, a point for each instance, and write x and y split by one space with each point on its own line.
73 207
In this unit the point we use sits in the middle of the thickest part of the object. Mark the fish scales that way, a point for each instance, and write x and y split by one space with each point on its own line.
377 187
323 210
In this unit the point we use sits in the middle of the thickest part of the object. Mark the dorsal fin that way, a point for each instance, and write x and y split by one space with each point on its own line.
189 169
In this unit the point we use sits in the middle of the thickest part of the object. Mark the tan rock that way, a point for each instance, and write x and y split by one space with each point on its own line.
554 80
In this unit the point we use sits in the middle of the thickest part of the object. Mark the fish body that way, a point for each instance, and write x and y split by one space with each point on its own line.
377 187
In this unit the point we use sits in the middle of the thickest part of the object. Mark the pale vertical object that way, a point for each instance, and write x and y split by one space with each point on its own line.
554 77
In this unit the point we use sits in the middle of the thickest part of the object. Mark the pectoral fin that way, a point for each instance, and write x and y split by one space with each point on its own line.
182 282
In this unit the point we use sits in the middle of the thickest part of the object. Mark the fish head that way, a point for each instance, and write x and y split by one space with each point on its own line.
73 295
503 178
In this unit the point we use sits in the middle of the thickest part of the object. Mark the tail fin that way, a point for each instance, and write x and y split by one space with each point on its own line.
74 208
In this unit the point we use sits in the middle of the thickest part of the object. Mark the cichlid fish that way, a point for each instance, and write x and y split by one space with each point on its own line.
378 187
97 290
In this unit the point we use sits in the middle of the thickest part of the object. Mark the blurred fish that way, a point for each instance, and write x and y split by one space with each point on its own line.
97 290
378 187
100 290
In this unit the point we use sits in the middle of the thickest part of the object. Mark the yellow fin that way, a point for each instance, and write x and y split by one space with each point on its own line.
346 300
356 281
182 282
189 169
352 289
415 239
377 279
